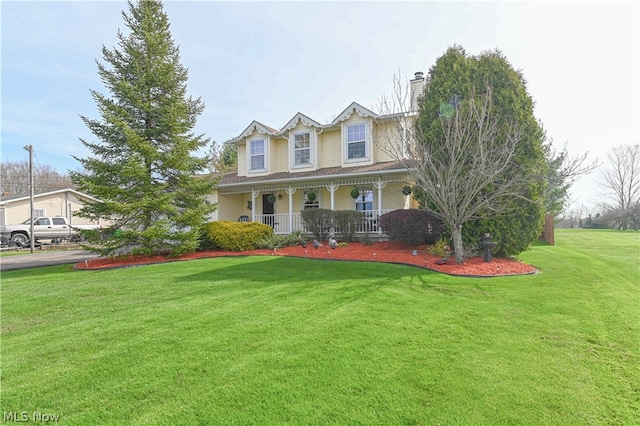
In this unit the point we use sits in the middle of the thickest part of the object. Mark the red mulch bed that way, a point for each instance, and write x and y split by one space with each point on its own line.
377 252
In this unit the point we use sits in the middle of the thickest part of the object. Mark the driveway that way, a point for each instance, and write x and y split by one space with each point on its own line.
44 258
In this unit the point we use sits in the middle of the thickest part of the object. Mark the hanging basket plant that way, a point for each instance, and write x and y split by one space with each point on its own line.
406 190
355 193
311 196
271 198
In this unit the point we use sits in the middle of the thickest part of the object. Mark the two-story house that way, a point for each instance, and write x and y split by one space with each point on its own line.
343 165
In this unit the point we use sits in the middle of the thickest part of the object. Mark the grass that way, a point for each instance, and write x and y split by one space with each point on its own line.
12 253
273 340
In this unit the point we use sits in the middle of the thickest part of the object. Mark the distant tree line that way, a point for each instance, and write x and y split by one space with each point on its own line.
14 178
620 206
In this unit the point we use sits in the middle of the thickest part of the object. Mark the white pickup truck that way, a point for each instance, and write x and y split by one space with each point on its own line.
44 228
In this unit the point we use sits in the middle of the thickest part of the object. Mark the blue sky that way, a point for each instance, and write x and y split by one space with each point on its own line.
269 60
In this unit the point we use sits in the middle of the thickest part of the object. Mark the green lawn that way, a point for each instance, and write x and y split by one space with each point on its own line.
273 340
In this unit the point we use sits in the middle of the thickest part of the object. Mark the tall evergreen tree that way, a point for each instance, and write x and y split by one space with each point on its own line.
144 166
456 77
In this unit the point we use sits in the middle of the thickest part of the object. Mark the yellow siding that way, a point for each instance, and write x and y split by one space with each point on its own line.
282 205
54 205
242 159
232 206
392 197
329 147
272 155
281 156
213 198
356 119
386 142
343 199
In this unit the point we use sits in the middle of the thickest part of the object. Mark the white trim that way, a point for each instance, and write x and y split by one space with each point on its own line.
255 126
393 175
373 200
45 194
300 117
367 142
250 169
292 151
359 109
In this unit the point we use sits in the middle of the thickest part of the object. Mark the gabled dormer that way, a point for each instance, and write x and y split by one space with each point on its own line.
356 123
254 147
302 135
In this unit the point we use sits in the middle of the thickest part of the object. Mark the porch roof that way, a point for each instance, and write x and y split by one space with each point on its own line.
333 173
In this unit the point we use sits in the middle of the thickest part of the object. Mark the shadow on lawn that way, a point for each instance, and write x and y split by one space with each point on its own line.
292 270
297 273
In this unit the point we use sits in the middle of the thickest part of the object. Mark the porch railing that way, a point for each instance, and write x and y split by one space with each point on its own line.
281 225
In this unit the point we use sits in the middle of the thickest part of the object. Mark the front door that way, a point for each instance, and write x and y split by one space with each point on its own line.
267 209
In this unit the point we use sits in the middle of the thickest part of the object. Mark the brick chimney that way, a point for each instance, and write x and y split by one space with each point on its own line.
416 88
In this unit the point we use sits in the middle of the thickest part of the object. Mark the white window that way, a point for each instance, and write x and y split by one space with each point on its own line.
310 202
38 213
364 203
257 154
301 149
356 141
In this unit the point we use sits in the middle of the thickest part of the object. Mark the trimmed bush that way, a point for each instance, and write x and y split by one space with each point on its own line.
205 242
235 236
411 227
279 241
440 248
318 222
346 223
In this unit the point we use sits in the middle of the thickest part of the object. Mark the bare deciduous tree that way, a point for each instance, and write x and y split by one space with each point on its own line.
470 173
14 178
622 182
563 171
572 217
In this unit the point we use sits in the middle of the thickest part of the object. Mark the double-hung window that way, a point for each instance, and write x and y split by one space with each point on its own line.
257 152
312 202
356 141
301 149
364 202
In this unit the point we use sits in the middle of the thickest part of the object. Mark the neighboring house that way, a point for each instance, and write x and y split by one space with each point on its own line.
306 164
61 203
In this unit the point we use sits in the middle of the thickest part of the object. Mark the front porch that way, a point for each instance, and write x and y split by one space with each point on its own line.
279 200
287 223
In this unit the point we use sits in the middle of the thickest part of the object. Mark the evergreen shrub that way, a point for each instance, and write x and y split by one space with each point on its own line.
318 222
411 226
235 236
346 223
274 241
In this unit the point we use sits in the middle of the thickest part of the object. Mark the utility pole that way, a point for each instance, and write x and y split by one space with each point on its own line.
30 149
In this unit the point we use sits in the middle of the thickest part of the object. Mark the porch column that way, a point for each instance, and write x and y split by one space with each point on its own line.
379 185
332 188
254 195
290 191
